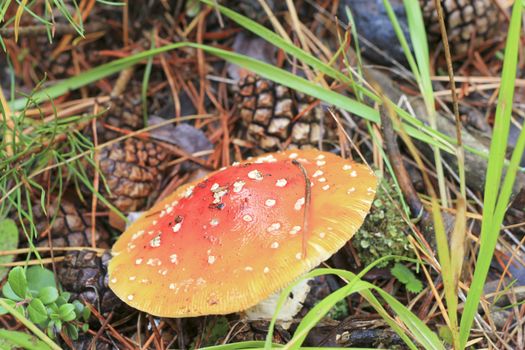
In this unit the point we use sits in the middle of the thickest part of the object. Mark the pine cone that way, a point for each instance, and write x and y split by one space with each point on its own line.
133 171
71 228
84 275
276 117
464 20
125 113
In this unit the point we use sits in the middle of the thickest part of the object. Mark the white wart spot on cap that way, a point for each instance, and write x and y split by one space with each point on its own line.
321 162
274 227
353 173
138 261
163 271
189 192
322 234
267 159
130 297
218 194
321 156
322 179
238 185
176 227
214 187
326 187
295 229
137 235
132 278
293 155
214 222
347 167
371 190
155 242
211 259
274 245
174 259
270 202
247 218
255 175
351 190
114 280
299 203
154 262
266 269
281 183
299 256
318 173
248 268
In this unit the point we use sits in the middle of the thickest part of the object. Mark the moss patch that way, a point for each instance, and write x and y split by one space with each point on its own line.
384 230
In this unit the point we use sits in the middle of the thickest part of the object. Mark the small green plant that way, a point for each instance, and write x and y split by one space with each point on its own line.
404 275
33 293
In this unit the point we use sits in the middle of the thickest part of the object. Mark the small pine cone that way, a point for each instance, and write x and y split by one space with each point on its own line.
133 171
276 117
71 228
84 275
125 113
464 20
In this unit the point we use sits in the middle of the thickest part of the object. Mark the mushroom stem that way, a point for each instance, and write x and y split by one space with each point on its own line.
307 201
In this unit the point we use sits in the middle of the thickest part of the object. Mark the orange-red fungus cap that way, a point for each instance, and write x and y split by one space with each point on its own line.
223 244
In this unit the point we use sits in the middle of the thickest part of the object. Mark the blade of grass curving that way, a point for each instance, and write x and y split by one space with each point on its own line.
3 9
429 339
324 306
419 330
494 206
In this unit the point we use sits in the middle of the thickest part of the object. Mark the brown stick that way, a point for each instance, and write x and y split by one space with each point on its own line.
396 159
58 29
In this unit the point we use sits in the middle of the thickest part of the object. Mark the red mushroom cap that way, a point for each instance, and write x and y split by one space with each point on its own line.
222 244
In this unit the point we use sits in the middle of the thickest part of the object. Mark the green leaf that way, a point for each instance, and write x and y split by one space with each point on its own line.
407 277
48 295
37 311
8 241
72 331
17 281
414 286
86 313
38 278
7 291
20 340
67 312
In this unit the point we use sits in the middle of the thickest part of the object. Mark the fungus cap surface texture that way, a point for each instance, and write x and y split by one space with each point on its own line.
226 242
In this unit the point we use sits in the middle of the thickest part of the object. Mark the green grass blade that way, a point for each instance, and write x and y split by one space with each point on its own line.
494 208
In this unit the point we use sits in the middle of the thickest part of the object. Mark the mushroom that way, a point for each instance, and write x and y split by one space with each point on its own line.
222 244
